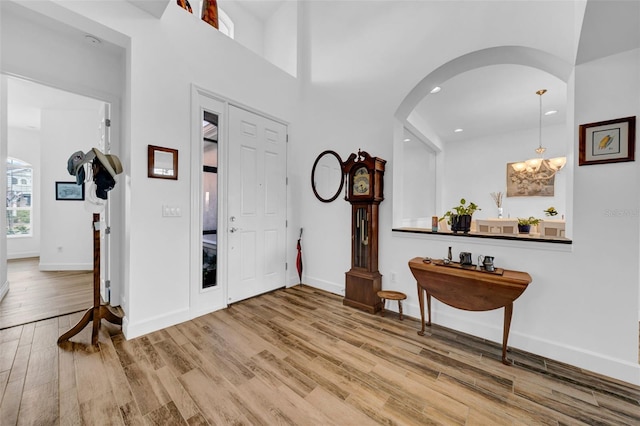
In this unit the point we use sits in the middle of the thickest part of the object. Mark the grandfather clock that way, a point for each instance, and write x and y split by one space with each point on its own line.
364 192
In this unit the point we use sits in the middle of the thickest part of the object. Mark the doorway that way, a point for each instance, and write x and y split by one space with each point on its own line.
238 247
44 126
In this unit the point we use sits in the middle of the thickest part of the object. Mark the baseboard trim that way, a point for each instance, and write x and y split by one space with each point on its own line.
132 330
578 357
25 255
65 266
324 285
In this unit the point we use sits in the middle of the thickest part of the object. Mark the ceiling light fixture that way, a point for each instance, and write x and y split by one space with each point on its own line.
436 89
92 39
458 130
539 167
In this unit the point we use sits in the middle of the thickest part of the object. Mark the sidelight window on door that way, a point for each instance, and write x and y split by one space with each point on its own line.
209 199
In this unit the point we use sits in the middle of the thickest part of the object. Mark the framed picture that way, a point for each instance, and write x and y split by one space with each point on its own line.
69 191
611 141
162 163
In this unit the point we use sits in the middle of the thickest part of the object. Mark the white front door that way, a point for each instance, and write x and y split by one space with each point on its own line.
256 213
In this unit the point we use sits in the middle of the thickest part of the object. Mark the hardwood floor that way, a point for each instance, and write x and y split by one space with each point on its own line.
35 295
294 356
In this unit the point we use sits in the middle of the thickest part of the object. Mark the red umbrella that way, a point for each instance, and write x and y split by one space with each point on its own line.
299 258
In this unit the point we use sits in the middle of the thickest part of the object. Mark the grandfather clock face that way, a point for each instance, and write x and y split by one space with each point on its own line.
361 182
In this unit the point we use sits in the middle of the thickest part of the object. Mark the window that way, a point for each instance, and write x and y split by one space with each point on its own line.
225 24
19 197
209 199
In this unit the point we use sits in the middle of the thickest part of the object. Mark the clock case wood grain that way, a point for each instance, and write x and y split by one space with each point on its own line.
363 280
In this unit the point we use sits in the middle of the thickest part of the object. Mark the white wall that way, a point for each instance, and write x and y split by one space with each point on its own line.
475 168
67 234
280 37
574 311
162 69
24 144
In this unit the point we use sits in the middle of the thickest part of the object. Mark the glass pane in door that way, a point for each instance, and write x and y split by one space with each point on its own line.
209 199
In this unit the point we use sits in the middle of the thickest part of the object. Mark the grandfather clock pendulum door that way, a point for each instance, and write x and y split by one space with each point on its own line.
364 192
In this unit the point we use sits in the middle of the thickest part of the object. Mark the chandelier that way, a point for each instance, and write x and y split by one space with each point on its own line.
540 167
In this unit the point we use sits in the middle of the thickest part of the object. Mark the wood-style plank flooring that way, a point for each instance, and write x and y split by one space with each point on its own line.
35 295
293 357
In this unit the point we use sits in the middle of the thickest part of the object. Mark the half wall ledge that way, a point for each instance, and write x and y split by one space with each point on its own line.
519 237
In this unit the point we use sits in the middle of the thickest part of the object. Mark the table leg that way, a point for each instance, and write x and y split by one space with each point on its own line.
508 311
429 308
382 310
421 302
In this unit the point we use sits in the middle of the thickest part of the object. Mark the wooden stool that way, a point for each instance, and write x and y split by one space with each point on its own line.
392 295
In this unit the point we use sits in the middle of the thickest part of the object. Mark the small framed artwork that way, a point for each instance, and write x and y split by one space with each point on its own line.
162 163
611 141
69 191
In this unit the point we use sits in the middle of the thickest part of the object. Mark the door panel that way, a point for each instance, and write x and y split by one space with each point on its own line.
257 202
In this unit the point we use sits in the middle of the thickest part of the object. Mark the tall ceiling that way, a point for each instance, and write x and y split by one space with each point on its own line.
403 34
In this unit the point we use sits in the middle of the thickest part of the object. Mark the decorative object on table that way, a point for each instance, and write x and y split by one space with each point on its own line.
524 224
162 163
535 176
610 141
449 255
69 191
466 258
364 175
551 211
434 223
185 5
210 12
486 262
497 198
459 217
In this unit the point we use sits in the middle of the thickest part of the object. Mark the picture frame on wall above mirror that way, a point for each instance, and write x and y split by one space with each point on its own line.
162 163
610 141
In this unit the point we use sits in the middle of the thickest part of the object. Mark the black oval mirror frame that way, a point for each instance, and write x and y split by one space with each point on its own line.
313 176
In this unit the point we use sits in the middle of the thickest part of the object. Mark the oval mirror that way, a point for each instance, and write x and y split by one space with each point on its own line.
327 178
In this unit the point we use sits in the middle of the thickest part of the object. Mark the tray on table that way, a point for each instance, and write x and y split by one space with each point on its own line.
457 265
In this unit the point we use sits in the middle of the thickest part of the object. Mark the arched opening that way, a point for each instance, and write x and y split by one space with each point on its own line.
491 95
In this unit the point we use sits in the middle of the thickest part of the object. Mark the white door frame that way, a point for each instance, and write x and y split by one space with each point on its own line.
202 99
116 275
203 301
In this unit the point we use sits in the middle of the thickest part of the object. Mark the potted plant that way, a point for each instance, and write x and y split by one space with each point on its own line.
459 217
551 211
524 225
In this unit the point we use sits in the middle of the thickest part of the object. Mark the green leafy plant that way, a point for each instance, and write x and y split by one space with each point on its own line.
528 221
461 209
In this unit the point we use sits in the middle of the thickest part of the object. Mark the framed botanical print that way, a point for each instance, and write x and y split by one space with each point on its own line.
611 141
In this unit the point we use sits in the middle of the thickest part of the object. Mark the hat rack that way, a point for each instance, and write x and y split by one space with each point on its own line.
98 311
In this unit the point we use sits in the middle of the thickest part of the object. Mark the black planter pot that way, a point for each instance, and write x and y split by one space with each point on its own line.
524 229
461 223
